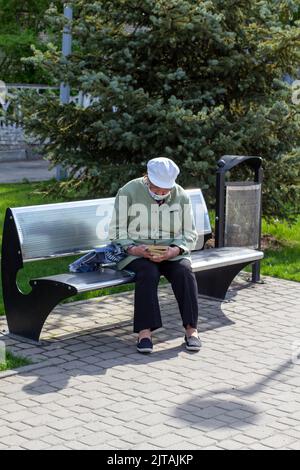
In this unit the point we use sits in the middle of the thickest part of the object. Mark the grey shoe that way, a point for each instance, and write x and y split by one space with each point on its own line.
192 343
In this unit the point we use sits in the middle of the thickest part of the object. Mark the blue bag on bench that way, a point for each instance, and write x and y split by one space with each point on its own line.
108 255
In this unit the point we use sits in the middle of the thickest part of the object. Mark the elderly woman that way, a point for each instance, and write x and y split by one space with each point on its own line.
155 210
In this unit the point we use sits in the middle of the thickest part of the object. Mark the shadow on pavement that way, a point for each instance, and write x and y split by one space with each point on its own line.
240 413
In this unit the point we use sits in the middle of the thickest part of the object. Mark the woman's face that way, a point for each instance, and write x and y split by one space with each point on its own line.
157 190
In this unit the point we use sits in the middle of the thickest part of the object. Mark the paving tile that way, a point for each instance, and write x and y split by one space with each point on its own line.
91 389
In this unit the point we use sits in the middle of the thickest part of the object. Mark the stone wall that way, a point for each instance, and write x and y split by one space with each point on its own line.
14 144
11 137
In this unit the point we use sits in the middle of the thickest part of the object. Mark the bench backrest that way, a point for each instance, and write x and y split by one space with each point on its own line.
55 230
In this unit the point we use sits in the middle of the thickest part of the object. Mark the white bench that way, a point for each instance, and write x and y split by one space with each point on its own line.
56 230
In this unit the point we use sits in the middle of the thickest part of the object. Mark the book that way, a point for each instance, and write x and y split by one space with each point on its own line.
157 249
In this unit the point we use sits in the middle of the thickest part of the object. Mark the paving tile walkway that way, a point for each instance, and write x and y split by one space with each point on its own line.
90 389
27 170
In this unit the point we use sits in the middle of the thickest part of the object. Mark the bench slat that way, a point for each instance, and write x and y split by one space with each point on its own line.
54 230
219 257
85 282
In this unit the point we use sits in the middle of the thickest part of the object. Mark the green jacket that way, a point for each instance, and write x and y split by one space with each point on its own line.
139 219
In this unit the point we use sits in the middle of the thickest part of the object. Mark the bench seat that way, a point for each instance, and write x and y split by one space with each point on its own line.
221 257
85 282
202 260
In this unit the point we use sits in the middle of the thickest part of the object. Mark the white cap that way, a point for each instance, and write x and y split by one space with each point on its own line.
162 172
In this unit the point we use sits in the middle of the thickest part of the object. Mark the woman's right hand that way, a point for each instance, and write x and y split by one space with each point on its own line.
139 250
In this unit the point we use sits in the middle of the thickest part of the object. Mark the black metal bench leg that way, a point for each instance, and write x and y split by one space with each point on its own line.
215 282
256 272
26 314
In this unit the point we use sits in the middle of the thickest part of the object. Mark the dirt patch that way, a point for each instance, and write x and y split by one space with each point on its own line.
268 241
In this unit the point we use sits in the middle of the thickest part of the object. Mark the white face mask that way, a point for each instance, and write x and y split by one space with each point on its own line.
158 197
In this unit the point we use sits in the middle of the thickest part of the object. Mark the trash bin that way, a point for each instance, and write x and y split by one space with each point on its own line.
238 206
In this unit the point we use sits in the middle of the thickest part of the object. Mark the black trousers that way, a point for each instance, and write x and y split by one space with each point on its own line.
146 306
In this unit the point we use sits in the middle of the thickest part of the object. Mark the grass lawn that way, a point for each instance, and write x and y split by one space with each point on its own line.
13 362
282 257
282 260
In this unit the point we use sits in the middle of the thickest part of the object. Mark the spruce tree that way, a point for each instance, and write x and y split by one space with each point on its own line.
191 80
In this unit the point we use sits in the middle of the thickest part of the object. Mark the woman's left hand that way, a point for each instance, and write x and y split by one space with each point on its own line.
171 252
